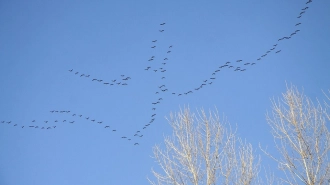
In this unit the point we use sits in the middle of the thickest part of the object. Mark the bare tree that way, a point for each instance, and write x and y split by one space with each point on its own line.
202 151
302 138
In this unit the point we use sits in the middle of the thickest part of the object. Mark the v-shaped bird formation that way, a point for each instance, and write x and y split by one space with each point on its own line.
236 65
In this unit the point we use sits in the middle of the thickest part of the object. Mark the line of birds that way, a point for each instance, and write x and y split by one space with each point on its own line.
237 65
162 88
119 81
242 68
29 126
37 124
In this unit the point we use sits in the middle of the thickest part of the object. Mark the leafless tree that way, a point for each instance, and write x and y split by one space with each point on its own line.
202 151
302 138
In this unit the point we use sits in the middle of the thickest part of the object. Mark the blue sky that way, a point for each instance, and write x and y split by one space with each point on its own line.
41 41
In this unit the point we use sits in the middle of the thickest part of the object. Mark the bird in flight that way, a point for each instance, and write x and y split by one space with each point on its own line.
161 30
298 24
154 41
162 24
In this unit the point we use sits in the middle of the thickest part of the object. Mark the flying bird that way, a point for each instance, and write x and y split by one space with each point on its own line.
162 24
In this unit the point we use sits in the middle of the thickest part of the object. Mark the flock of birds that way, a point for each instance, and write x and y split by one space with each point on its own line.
237 65
122 80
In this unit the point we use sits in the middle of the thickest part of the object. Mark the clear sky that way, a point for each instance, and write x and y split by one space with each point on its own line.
40 41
